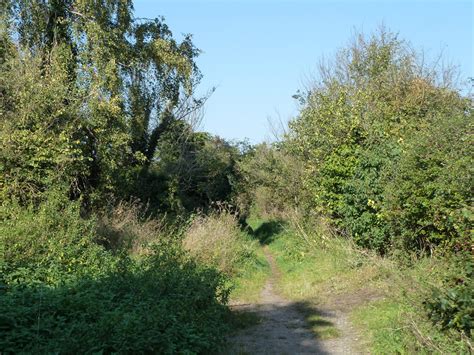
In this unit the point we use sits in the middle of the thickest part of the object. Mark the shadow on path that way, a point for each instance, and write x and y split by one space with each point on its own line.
282 326
280 329
267 231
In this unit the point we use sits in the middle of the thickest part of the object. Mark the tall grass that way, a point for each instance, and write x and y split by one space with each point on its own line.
127 226
216 239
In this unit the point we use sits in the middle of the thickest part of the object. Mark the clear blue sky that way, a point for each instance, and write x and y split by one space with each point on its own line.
258 52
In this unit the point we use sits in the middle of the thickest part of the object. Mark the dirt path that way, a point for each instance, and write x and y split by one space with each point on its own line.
282 328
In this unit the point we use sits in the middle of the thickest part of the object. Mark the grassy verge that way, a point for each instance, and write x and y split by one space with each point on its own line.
398 323
382 298
250 279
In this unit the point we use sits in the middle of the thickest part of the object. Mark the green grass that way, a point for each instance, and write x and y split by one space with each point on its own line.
381 322
322 272
250 279
252 275
382 298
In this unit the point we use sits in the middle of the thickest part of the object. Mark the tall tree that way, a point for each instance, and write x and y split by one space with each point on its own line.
118 83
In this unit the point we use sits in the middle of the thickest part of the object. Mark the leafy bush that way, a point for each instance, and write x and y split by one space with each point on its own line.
49 243
362 201
428 192
373 135
61 292
164 304
452 306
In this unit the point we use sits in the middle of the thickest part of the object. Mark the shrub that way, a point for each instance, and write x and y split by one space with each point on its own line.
452 306
362 201
164 304
49 243
373 106
428 192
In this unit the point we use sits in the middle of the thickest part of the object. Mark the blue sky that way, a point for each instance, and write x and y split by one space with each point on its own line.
259 53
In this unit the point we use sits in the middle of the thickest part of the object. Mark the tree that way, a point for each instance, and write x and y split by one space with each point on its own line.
95 77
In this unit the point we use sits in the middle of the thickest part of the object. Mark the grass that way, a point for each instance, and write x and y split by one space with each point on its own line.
217 240
381 321
399 323
321 273
382 297
252 275
250 279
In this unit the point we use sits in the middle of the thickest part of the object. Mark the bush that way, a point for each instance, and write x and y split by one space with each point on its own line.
428 192
61 292
50 243
452 306
362 202
353 127
165 304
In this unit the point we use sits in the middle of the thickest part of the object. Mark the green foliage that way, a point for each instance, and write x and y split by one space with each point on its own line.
94 106
270 179
452 306
39 128
198 168
428 191
373 135
362 199
87 91
191 170
49 244
62 292
163 305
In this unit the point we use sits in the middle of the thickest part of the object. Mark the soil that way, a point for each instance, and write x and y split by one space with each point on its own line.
282 328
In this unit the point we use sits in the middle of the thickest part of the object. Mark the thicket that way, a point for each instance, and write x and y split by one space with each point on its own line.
63 292
97 108
382 147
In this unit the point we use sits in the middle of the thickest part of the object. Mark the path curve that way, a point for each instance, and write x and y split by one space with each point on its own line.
282 329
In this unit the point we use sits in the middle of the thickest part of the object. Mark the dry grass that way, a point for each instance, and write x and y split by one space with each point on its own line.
217 240
127 227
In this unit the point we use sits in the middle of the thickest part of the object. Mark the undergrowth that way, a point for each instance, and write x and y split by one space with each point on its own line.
217 240
61 292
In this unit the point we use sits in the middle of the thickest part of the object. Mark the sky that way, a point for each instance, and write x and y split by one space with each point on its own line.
258 53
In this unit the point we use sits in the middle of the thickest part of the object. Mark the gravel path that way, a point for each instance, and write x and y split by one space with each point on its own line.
282 329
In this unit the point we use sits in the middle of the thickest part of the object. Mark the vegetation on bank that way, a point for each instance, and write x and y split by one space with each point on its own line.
125 230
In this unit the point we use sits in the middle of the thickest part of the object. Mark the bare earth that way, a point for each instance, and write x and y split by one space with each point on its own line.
283 329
